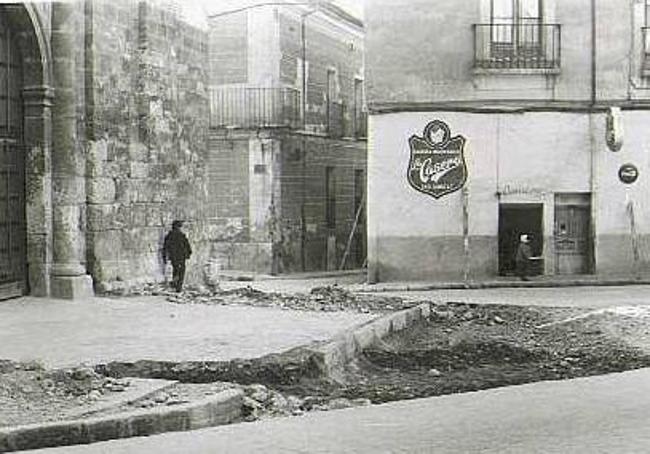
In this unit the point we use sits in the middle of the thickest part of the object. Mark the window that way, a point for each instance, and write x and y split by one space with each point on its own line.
360 122
334 107
517 37
331 86
516 27
330 197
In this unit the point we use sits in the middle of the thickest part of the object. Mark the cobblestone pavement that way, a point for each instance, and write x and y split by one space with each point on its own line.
65 333
605 414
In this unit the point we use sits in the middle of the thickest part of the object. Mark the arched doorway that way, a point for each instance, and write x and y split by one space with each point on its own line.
13 274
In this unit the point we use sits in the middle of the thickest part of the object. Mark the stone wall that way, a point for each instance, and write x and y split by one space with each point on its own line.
148 141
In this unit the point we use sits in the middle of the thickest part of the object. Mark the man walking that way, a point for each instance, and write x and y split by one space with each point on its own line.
177 249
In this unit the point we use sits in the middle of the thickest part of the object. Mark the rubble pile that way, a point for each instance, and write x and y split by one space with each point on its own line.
322 299
29 392
261 402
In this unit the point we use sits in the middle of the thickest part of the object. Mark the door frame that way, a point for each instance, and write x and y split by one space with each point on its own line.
537 234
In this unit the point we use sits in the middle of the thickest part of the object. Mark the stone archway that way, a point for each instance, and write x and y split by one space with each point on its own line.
26 22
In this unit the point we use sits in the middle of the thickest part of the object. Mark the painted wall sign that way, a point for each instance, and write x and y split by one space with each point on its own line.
628 173
437 162
514 188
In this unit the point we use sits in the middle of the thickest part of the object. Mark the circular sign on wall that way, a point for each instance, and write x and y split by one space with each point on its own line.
628 173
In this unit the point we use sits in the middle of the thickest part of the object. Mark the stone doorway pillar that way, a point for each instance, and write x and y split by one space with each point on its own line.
37 105
68 273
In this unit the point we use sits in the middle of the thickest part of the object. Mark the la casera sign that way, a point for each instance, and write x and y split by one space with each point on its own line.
437 161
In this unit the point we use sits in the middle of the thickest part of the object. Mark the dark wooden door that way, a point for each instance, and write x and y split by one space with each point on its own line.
572 239
12 168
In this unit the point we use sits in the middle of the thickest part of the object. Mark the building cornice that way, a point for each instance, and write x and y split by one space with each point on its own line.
509 106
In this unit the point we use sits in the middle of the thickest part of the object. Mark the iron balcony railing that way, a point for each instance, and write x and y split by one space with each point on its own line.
515 46
645 64
254 107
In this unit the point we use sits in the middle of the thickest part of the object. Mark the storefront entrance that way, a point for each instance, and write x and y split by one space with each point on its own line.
516 219
12 168
572 234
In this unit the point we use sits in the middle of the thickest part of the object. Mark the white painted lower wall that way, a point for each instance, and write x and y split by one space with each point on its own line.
511 158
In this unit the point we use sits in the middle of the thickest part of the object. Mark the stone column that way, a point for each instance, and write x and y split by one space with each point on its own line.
68 278
37 102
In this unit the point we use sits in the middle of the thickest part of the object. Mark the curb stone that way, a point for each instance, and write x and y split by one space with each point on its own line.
387 287
223 408
153 386
320 358
334 354
329 357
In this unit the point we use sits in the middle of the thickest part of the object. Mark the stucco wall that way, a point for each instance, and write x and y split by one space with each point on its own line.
417 53
511 158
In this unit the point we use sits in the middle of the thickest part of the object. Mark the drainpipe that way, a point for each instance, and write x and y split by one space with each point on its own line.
594 165
593 53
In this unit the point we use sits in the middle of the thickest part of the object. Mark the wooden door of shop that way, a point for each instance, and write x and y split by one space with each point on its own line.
12 168
573 245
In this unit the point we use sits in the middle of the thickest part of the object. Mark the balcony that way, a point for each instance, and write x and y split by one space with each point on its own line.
522 48
254 107
645 63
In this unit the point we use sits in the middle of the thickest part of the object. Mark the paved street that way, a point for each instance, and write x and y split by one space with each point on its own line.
606 414
63 333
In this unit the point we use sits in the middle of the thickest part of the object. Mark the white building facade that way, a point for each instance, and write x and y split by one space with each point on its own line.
493 118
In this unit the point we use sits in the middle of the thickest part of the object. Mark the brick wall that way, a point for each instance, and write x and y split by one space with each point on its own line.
148 141
229 49
303 181
327 47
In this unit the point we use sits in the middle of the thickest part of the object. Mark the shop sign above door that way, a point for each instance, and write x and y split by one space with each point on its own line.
437 163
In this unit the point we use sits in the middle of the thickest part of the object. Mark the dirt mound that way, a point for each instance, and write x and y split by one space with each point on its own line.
29 393
464 347
320 299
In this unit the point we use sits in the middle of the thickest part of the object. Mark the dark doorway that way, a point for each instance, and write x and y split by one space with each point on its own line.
514 220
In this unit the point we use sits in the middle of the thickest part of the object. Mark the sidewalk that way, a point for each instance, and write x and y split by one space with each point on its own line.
67 333
557 281
355 280
605 414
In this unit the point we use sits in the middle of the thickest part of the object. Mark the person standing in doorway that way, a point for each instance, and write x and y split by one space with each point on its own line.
176 249
523 257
